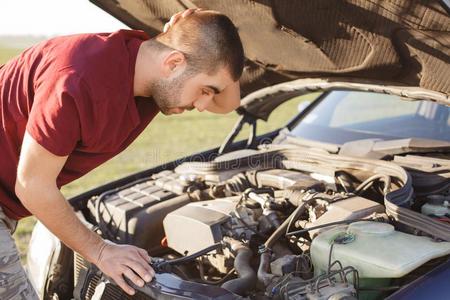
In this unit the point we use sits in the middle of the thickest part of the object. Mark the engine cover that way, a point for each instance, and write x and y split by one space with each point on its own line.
198 225
134 214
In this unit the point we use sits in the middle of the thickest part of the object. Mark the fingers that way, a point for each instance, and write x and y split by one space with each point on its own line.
166 27
123 285
133 277
177 16
189 11
141 268
172 21
126 261
144 254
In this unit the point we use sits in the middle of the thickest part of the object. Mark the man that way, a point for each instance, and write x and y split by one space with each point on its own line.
71 103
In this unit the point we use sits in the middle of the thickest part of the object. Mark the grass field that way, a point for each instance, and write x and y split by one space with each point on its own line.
165 139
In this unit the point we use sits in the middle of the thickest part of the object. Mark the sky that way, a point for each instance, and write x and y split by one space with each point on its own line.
54 17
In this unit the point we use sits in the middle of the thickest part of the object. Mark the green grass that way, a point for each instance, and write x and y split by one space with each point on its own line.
7 53
169 138
165 139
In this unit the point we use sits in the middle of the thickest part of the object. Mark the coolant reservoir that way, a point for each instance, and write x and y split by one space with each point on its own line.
375 249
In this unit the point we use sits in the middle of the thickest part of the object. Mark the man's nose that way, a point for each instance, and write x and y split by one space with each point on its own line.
200 108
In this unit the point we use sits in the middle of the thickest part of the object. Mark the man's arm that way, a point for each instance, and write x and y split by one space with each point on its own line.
36 188
227 101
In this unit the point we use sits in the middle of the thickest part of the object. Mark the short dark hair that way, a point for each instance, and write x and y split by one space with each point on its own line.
209 40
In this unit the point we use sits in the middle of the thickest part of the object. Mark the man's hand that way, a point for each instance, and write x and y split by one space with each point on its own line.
178 15
118 260
36 188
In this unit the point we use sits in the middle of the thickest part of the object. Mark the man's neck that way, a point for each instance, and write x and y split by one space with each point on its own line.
145 71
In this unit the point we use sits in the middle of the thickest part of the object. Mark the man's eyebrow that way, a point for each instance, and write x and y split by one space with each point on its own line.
214 88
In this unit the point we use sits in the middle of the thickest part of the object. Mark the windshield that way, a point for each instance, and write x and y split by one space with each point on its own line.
344 116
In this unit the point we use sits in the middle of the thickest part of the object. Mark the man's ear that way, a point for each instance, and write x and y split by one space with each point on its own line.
174 62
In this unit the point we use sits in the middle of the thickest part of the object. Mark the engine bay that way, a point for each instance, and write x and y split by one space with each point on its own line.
280 222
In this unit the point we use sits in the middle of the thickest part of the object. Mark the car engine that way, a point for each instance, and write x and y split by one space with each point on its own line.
277 223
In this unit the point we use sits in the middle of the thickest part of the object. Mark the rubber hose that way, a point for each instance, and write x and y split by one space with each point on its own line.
263 271
280 231
247 276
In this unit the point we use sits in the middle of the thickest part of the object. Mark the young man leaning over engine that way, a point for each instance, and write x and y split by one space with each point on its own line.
71 103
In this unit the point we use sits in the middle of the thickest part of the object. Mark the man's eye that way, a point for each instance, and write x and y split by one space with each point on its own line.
205 92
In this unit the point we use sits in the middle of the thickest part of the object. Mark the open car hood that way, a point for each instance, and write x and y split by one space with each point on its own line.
405 42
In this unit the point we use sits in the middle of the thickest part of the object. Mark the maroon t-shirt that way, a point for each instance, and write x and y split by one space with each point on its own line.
74 96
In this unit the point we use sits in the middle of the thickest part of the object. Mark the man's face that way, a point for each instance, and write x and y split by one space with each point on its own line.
187 91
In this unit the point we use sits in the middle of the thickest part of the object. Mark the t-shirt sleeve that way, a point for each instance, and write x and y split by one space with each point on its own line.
54 120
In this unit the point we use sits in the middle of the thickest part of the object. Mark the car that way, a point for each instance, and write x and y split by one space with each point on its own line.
350 199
